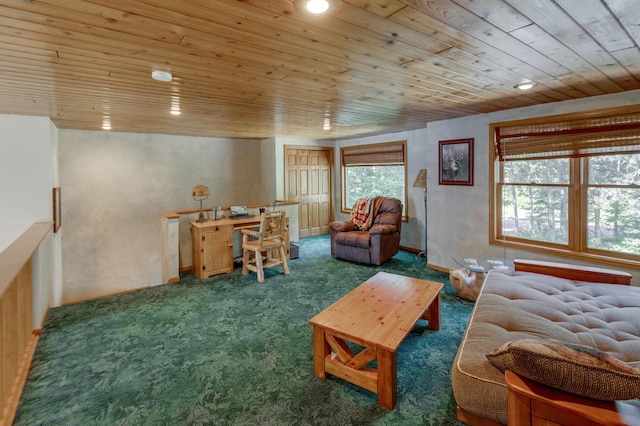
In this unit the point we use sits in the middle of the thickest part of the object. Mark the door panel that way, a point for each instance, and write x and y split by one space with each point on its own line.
303 220
293 184
315 182
304 182
315 218
326 183
325 217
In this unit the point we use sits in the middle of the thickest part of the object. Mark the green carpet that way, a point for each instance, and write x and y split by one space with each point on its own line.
231 351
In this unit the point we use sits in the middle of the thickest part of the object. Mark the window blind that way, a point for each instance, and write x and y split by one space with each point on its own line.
611 133
374 155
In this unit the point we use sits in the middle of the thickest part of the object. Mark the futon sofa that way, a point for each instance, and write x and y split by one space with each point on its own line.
554 331
374 245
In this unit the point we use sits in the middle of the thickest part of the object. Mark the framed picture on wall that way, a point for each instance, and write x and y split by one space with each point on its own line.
456 162
57 209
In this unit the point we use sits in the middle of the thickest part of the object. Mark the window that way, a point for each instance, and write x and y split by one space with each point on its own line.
371 170
569 185
613 201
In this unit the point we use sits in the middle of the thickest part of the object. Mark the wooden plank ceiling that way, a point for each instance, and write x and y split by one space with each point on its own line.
259 68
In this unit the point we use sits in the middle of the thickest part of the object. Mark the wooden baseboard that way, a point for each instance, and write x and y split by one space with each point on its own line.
438 268
411 249
117 293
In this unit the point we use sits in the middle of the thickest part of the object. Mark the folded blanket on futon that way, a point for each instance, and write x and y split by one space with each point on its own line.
364 210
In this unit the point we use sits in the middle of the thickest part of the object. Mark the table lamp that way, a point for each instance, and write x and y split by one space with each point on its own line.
199 193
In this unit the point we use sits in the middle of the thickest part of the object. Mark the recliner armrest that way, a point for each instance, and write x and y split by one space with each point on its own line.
343 226
383 229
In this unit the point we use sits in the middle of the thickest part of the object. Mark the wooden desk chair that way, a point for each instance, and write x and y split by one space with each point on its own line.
270 240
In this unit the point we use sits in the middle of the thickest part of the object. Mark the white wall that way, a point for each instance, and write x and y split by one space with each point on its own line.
115 185
458 223
269 171
44 269
55 297
27 176
418 154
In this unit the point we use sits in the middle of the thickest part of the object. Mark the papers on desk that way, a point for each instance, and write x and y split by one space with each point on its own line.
239 211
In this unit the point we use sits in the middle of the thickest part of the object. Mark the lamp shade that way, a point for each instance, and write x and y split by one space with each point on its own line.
200 191
421 179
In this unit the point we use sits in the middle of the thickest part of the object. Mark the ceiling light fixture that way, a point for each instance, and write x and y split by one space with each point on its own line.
315 7
106 115
525 85
161 75
327 117
175 104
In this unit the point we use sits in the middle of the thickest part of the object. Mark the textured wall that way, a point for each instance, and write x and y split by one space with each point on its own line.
115 185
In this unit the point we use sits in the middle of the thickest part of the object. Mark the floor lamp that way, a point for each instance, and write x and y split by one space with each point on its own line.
421 182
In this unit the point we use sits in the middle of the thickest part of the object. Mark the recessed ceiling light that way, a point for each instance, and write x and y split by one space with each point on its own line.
315 6
161 75
525 85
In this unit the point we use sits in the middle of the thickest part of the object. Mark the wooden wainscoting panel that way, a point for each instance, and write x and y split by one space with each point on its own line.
17 335
17 341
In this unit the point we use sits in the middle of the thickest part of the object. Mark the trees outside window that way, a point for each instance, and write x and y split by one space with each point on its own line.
613 203
536 203
370 181
535 200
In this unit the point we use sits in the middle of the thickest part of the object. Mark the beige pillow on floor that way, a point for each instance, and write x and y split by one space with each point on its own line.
580 370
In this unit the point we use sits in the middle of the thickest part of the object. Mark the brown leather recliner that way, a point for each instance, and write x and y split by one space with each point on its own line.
374 246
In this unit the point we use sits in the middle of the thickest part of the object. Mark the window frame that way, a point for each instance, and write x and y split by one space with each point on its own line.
343 172
577 243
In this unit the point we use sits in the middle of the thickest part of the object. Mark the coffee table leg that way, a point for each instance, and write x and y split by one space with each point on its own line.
387 379
321 350
433 314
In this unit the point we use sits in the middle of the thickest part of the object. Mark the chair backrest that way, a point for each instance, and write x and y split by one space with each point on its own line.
272 225
389 213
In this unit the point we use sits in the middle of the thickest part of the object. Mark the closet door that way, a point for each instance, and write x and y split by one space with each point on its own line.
308 182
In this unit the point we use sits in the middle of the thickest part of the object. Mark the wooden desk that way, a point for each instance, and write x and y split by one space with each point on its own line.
212 244
170 227
378 315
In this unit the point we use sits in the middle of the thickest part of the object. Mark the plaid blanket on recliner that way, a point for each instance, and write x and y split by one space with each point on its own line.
364 210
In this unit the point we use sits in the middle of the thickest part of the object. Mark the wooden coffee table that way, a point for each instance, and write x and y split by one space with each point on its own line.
378 315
